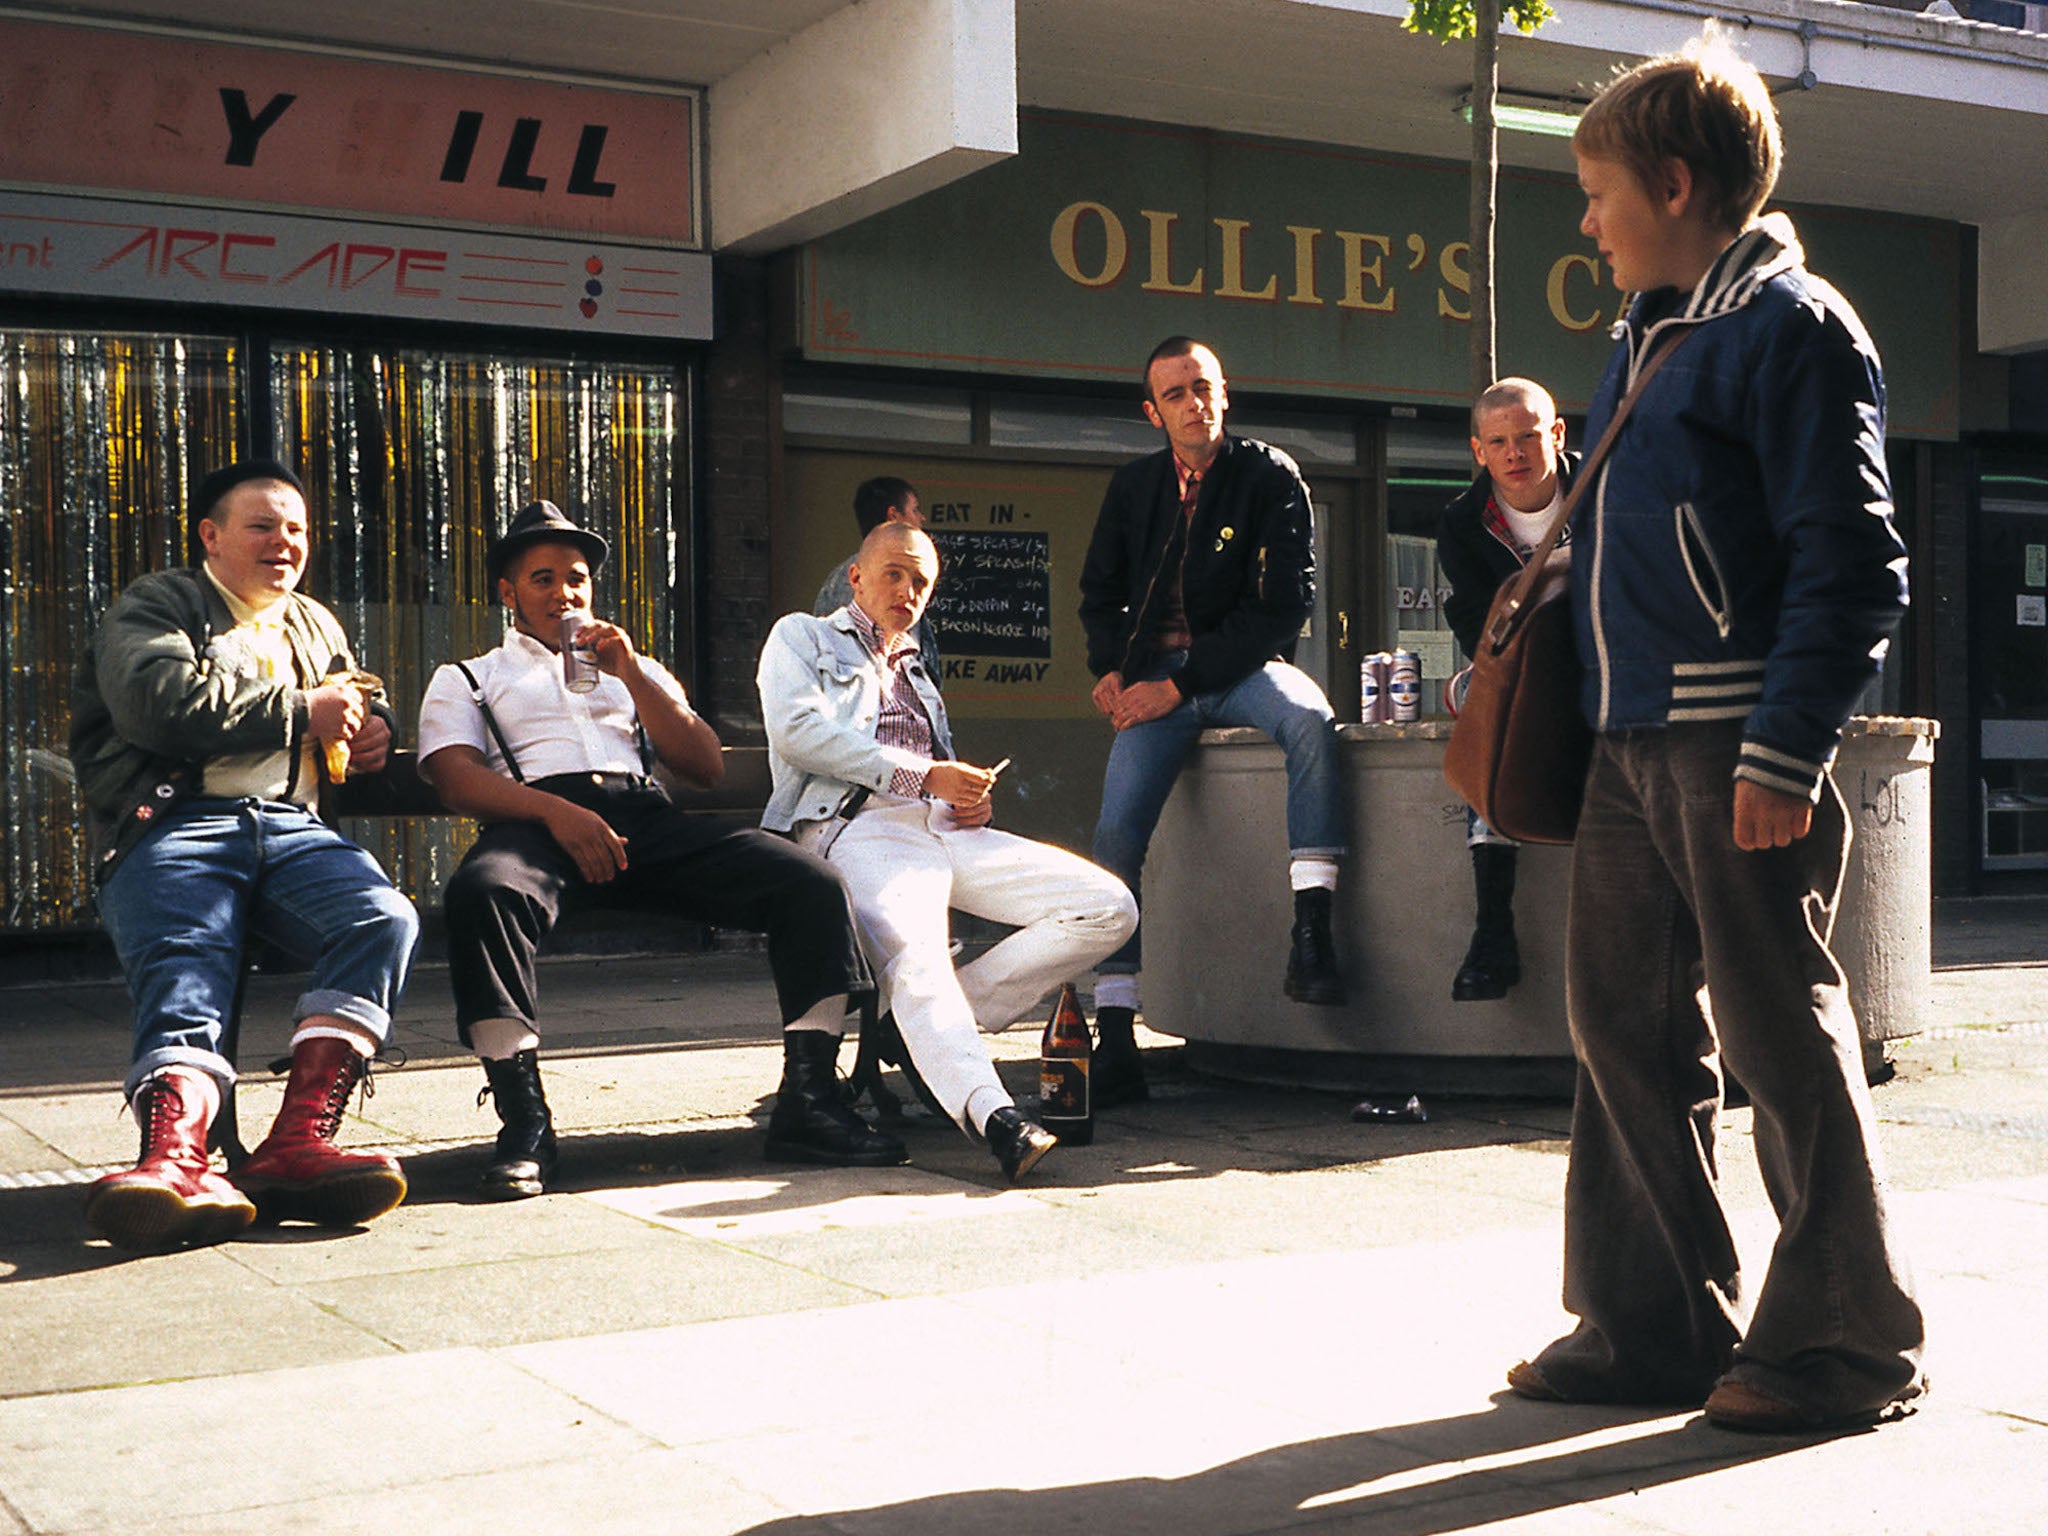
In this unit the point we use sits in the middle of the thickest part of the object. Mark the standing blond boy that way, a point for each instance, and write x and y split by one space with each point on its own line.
1735 579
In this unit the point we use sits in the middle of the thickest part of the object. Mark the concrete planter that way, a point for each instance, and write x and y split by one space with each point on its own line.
1217 910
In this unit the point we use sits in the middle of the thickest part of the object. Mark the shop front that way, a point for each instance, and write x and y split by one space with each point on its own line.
435 294
984 342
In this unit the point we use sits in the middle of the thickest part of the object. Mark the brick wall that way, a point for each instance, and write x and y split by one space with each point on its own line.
740 469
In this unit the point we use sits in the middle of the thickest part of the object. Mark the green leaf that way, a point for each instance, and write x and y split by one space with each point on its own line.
1449 20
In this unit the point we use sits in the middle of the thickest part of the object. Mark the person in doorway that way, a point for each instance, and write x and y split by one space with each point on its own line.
864 771
573 816
1735 580
1482 539
203 711
884 499
1198 578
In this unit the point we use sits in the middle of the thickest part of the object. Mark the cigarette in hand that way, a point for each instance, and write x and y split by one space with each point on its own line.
999 767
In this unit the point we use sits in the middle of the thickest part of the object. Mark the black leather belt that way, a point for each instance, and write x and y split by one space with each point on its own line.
556 783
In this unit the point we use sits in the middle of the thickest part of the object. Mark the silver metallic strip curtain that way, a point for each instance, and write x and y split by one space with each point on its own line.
99 436
412 461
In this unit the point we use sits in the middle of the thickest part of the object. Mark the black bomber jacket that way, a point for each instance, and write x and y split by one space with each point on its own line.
1247 565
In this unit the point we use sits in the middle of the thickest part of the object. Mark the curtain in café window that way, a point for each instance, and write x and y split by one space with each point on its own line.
99 438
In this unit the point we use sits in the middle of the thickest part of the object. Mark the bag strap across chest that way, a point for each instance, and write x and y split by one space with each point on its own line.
1508 614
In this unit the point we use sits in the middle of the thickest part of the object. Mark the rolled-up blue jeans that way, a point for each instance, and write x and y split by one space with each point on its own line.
1279 699
214 872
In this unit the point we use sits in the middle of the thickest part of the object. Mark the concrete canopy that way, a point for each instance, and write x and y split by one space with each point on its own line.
822 112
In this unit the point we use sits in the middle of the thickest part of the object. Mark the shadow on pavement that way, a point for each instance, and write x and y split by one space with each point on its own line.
1417 1479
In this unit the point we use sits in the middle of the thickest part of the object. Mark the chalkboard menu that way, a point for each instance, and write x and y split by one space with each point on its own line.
994 596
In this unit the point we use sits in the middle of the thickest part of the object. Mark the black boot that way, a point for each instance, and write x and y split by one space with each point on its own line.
811 1122
526 1145
892 1051
1117 1075
1493 963
1312 962
878 1038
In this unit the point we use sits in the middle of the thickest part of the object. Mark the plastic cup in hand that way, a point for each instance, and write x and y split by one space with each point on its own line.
579 662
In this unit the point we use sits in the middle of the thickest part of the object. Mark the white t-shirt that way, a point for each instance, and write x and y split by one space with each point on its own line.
1527 527
551 730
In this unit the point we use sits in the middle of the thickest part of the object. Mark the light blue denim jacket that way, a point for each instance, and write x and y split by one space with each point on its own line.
821 694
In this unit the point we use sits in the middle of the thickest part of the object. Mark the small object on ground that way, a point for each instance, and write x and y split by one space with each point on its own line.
1390 1112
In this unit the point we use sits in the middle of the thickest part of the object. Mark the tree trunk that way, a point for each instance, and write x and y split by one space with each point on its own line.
1485 181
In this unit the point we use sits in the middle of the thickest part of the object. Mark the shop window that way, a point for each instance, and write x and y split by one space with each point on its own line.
99 438
1058 424
1327 441
1429 465
2009 609
413 460
878 413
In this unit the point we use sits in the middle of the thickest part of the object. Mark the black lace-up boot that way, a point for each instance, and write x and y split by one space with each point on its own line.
811 1122
1493 962
525 1161
1312 962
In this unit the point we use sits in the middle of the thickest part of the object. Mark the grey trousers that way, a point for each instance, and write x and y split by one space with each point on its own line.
1662 900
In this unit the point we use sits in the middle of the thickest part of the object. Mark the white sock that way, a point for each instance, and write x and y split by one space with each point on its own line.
1117 990
365 1043
827 1016
1312 873
502 1039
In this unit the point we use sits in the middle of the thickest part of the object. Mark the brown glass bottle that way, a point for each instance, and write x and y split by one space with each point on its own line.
1066 1106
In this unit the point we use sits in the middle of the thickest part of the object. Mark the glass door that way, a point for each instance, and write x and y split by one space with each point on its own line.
2009 607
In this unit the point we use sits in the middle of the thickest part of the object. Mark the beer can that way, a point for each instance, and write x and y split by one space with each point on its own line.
1372 687
1404 686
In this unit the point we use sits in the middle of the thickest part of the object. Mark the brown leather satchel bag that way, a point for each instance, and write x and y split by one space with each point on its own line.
1519 751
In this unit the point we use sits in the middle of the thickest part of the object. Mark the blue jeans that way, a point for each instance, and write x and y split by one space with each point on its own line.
214 872
1279 699
1661 898
1479 835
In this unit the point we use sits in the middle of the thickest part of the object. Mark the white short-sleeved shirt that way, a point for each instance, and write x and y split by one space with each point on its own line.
551 730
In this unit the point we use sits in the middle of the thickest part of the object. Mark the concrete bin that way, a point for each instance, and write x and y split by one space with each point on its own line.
1217 912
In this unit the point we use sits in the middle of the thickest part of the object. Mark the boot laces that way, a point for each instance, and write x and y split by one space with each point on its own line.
166 1103
328 1125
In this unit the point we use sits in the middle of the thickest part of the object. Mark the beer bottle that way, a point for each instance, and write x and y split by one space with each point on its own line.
1065 1054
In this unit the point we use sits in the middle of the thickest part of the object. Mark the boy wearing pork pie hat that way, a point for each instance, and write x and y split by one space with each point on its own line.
572 817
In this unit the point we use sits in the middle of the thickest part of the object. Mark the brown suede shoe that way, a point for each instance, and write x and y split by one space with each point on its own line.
1740 1405
1525 1380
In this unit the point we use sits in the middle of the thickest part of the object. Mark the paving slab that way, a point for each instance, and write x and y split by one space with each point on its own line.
1945 1472
1236 1313
227 1448
628 1493
73 1317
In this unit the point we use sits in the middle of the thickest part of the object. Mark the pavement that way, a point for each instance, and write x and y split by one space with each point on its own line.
1236 1312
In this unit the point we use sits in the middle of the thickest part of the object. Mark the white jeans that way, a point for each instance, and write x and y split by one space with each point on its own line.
905 865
